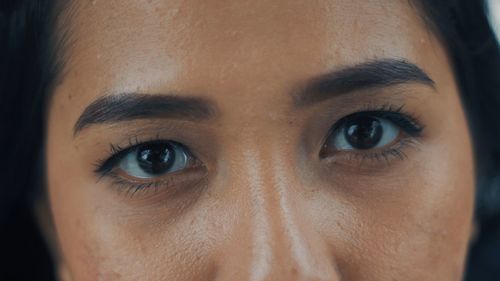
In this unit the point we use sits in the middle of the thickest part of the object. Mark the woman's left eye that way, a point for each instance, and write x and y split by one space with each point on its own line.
370 131
364 132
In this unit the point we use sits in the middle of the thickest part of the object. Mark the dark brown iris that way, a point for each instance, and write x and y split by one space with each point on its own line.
156 158
363 132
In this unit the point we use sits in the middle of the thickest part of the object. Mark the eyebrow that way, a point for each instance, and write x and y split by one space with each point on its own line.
132 106
372 74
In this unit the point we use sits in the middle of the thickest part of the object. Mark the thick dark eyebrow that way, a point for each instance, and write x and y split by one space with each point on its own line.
132 106
372 74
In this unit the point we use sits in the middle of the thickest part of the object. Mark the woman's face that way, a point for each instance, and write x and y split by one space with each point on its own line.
257 140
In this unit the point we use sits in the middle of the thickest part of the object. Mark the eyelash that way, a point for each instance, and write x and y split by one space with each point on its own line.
407 122
116 152
105 167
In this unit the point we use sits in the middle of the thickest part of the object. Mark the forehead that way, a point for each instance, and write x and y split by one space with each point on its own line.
129 45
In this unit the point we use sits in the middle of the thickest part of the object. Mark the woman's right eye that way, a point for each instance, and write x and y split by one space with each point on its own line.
147 162
154 160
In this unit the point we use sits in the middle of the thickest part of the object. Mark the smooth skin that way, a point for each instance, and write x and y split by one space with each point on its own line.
262 203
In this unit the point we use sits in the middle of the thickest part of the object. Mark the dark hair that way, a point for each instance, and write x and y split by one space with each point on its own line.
21 90
29 66
475 55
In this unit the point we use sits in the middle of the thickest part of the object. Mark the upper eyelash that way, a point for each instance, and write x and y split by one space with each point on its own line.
106 167
406 121
116 152
409 123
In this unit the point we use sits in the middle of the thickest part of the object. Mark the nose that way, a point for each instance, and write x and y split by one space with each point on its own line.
273 237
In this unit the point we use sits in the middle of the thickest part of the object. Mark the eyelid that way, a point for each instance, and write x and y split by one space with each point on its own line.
193 174
117 153
405 121
372 161
410 126
103 167
169 184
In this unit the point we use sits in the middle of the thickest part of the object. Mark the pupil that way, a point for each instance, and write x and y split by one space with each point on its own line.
363 132
155 158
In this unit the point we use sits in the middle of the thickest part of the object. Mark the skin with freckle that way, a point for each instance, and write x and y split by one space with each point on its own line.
262 204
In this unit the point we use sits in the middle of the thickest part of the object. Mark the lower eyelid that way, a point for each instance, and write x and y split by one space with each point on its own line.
169 184
105 167
192 164
375 157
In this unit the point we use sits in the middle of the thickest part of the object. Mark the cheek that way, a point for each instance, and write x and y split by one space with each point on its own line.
412 221
100 242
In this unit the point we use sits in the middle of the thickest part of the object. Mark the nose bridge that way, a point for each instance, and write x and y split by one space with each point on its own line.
280 244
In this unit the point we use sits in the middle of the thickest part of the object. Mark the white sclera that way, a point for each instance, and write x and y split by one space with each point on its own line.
130 165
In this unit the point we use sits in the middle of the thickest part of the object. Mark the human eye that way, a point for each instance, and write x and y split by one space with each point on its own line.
376 134
157 163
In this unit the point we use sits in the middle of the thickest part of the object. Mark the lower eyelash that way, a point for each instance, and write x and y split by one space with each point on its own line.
169 183
394 152
385 156
131 189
